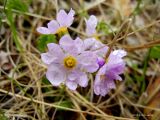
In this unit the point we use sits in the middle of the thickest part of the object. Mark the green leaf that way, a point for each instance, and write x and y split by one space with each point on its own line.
43 40
45 81
138 8
106 28
155 52
2 116
14 31
17 5
102 26
83 13
20 5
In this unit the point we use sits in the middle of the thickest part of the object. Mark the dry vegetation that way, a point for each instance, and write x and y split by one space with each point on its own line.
25 94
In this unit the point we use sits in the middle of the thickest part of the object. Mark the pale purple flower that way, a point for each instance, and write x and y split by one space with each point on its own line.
110 69
109 72
69 63
92 43
62 22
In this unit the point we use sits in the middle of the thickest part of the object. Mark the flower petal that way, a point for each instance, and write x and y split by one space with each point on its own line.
110 84
72 76
71 85
61 17
55 54
43 30
102 51
93 44
89 43
120 53
47 58
78 77
114 60
64 19
87 58
68 45
54 48
91 24
97 45
70 17
100 86
53 26
83 80
100 61
117 68
55 74
88 61
114 71
56 51
103 84
118 78
79 44
92 68
102 70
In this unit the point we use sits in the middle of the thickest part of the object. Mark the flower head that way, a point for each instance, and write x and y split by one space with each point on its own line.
109 72
69 63
63 20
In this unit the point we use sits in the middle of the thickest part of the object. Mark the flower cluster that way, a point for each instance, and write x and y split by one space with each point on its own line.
70 61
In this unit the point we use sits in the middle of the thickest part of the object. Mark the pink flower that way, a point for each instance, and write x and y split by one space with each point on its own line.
68 63
109 72
63 20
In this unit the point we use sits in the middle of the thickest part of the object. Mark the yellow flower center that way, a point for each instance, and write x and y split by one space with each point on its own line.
62 30
70 62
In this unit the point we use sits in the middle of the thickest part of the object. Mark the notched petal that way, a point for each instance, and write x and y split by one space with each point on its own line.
61 17
91 24
64 19
71 85
83 80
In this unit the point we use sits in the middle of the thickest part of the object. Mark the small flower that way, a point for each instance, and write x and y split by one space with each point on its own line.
109 72
92 43
68 63
62 22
